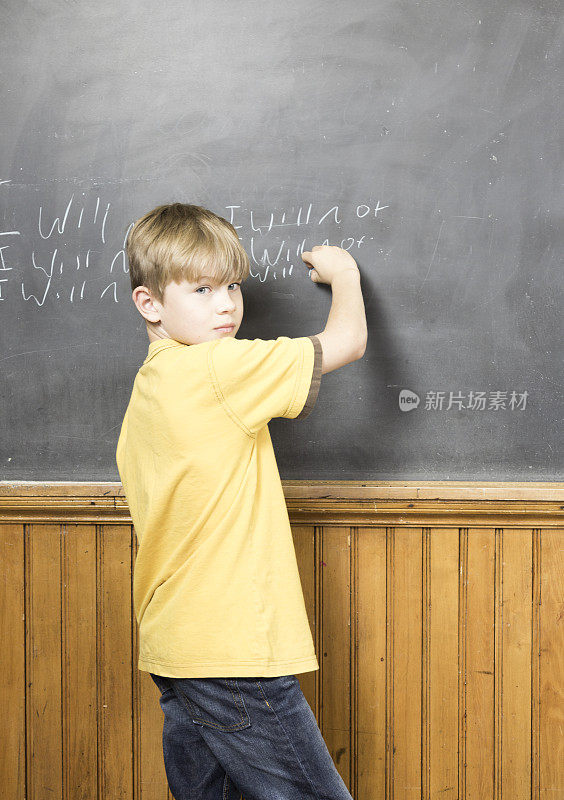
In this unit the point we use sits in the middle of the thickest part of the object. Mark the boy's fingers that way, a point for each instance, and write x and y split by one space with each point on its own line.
310 252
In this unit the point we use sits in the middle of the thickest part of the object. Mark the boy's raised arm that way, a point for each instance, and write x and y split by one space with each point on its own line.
345 335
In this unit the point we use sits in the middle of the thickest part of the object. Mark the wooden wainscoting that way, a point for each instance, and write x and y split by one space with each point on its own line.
438 616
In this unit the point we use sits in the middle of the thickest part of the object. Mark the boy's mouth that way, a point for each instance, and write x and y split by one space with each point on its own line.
226 328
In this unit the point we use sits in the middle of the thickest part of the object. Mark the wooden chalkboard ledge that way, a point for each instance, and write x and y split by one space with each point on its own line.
358 503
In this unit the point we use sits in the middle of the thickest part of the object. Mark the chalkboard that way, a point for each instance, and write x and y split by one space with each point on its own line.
424 137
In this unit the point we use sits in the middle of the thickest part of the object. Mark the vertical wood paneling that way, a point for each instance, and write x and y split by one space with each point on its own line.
498 663
115 664
390 657
304 543
516 643
462 656
151 784
79 661
535 667
43 662
551 678
407 651
12 687
441 653
426 630
336 693
318 572
479 643
441 719
148 762
370 615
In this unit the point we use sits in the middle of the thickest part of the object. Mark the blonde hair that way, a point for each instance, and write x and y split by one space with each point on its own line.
178 241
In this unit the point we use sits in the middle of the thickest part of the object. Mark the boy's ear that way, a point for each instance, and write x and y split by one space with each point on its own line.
148 307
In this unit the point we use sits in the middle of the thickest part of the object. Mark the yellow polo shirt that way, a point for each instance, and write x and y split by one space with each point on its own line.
216 587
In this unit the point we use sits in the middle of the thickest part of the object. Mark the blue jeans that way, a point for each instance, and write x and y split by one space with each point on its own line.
244 739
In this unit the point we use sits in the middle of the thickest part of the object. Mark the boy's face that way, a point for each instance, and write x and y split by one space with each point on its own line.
192 312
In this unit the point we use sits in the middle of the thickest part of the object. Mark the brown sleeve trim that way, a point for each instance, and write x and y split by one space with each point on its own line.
315 378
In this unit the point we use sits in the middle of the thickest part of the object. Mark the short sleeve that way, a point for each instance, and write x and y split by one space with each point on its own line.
258 379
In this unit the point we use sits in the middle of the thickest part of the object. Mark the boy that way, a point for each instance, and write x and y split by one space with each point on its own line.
222 621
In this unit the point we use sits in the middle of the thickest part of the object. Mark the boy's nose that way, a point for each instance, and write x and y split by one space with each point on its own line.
225 302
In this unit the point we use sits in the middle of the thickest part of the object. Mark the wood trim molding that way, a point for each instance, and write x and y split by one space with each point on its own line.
359 503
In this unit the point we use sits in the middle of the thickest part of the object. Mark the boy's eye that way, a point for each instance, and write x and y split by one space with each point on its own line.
207 287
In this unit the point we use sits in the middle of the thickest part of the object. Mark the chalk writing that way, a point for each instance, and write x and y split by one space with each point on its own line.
3 266
75 250
279 259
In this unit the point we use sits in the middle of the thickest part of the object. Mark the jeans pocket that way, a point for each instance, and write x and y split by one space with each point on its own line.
215 702
163 683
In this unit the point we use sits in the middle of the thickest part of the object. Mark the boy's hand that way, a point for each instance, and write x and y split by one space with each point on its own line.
326 260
